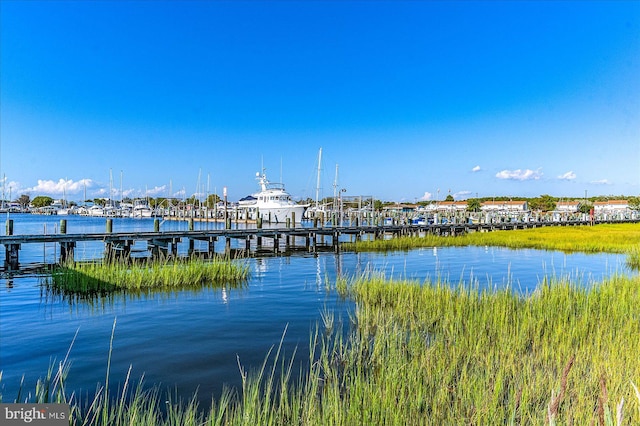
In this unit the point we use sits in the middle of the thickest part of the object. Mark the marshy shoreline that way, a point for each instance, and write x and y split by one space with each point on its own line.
428 352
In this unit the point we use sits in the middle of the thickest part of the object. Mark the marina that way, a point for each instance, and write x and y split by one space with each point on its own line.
194 339
312 236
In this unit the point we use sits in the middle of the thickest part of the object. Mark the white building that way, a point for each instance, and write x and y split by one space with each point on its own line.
568 206
447 207
611 206
504 206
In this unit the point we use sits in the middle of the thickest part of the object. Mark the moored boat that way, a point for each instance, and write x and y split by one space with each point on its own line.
141 209
272 203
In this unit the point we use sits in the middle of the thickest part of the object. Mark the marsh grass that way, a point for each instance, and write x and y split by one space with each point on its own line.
106 277
610 238
472 357
433 353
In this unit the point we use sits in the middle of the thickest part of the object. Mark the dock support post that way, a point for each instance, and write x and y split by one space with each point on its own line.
227 246
66 247
259 226
11 259
293 219
11 251
276 243
212 246
156 225
108 249
191 240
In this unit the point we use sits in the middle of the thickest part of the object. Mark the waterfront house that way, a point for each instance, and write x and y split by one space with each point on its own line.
568 206
611 206
505 206
399 208
447 206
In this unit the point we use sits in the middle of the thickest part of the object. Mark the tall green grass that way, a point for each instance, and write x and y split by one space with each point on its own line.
609 238
104 277
474 357
431 353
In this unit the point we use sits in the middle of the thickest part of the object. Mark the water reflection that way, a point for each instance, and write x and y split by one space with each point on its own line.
105 301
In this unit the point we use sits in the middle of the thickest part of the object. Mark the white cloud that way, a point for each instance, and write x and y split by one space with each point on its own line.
426 197
14 188
461 194
157 191
567 176
60 187
476 169
519 174
128 193
601 182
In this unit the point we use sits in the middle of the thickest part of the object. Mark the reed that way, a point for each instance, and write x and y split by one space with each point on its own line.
433 353
609 238
469 357
105 277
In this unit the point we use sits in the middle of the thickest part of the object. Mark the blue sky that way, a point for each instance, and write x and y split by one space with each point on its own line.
409 100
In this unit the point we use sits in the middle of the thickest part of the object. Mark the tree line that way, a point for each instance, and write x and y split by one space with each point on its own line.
544 202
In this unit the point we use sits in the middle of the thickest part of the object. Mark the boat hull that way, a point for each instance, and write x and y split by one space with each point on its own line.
280 214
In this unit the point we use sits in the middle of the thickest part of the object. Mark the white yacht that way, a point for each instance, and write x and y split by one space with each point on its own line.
272 203
95 210
141 209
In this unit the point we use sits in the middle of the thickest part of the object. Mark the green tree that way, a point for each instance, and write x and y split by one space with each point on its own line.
41 201
449 198
193 201
543 203
473 205
212 200
24 201
585 207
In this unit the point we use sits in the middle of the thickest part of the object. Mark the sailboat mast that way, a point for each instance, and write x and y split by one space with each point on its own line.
318 179
335 189
110 186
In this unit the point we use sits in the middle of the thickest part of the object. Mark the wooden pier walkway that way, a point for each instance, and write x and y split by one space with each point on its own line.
166 242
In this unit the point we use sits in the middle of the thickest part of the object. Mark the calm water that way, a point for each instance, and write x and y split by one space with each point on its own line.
193 340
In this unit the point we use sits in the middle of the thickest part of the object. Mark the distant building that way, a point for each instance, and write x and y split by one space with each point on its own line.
611 206
447 206
568 206
504 206
399 208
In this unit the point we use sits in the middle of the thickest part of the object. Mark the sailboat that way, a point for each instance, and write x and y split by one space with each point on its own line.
317 209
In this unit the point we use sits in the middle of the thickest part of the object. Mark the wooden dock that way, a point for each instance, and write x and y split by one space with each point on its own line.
165 243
